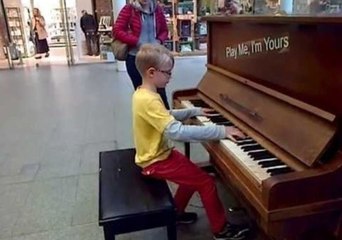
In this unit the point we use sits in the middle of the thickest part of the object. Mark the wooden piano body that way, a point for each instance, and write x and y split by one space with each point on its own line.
279 79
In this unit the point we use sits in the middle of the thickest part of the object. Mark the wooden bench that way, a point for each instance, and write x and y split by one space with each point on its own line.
129 201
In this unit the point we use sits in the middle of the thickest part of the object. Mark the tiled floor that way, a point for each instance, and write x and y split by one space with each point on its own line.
53 122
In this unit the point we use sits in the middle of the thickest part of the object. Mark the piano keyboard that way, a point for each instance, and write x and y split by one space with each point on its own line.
259 162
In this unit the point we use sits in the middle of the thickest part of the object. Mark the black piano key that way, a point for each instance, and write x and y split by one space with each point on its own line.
199 103
196 101
216 119
278 171
225 124
220 122
246 142
271 163
252 147
264 159
238 138
246 139
281 169
257 153
214 112
260 155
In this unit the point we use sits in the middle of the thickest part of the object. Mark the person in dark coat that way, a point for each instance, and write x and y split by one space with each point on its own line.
89 27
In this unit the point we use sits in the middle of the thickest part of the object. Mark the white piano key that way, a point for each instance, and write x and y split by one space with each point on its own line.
246 161
255 151
277 167
267 159
187 104
203 119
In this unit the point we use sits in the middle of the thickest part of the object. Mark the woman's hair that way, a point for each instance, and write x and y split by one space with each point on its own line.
152 55
38 12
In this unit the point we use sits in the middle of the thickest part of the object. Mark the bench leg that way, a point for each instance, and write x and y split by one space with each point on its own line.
172 232
108 233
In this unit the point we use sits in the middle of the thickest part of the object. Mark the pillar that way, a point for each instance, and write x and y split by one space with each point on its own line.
117 6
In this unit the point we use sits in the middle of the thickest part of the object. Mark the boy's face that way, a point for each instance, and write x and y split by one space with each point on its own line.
161 77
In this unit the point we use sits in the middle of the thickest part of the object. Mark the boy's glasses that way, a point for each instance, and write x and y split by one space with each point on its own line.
168 73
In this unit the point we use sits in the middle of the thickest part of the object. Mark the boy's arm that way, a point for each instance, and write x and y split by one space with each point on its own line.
183 114
175 130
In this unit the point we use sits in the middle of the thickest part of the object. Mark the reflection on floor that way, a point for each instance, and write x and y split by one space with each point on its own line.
58 56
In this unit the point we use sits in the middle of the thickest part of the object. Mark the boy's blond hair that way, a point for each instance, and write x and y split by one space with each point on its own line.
152 55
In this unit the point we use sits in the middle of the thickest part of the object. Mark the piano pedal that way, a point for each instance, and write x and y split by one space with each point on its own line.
239 216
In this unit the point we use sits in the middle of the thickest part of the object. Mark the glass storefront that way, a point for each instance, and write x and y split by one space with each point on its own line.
65 39
187 30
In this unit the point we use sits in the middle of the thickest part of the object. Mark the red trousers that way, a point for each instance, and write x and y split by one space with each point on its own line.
179 169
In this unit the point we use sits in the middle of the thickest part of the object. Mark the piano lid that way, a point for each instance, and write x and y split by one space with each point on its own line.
283 78
297 56
300 133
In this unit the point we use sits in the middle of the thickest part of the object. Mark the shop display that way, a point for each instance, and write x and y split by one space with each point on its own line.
16 29
105 38
56 26
4 35
187 30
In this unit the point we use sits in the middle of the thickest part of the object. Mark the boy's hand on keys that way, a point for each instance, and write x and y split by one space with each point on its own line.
208 112
234 134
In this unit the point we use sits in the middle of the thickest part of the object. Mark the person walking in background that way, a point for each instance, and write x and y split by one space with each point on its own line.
140 22
89 27
40 34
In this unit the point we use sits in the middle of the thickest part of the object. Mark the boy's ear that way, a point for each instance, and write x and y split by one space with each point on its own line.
150 71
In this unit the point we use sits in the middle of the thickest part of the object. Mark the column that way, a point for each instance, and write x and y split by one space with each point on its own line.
117 6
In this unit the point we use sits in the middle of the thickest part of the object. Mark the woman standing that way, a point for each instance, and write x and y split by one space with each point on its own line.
38 26
140 22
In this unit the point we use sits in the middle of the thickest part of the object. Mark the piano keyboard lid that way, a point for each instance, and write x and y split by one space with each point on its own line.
304 132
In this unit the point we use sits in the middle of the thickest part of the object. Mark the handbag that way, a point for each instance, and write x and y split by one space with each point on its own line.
120 49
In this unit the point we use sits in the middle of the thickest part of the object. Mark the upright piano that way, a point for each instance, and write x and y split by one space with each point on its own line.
279 80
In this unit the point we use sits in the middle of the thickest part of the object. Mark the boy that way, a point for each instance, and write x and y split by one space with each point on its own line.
153 125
